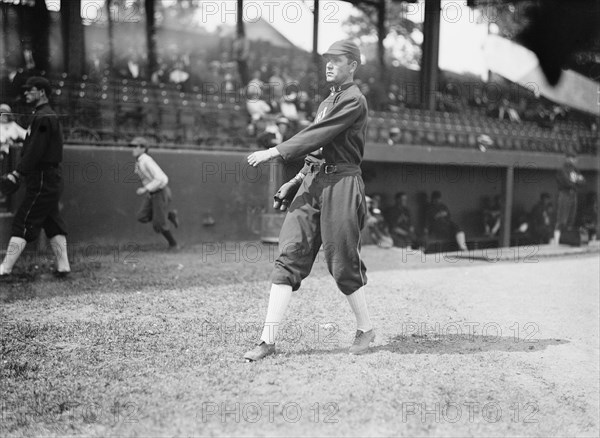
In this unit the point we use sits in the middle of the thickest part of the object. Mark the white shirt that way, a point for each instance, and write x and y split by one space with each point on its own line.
257 108
152 176
10 132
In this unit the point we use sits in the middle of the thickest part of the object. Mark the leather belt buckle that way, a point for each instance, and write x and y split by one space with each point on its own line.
330 168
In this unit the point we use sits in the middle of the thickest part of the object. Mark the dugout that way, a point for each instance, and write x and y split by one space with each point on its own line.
221 198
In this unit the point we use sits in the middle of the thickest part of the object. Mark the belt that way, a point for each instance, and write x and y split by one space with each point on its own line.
330 168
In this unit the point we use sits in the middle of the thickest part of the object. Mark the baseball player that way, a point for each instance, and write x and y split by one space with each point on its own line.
156 192
40 167
569 179
329 207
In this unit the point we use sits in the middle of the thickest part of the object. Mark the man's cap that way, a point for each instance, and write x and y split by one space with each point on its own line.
139 141
282 120
4 108
344 47
38 82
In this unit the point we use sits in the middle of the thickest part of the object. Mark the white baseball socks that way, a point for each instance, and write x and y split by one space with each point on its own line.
279 300
16 245
59 248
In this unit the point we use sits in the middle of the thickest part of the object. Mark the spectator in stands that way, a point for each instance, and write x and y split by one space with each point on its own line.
589 215
276 84
479 99
507 109
394 137
439 224
305 108
288 107
178 75
275 134
134 64
540 220
558 113
544 116
400 222
257 108
395 99
255 84
160 75
569 179
492 215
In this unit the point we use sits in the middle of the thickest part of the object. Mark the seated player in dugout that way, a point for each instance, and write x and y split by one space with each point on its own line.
440 225
329 207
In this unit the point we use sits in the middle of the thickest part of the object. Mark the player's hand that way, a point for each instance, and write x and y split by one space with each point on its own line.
259 157
285 195
141 191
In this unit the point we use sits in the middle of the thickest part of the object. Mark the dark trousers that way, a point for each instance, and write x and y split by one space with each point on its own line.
328 210
39 208
566 209
155 209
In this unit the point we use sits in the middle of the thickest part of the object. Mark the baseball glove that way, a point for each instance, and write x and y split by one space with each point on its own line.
285 194
9 184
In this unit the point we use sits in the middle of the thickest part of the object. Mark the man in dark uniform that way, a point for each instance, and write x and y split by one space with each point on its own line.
541 220
400 222
40 167
568 179
439 225
329 208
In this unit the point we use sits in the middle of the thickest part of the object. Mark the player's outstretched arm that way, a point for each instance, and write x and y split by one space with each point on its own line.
259 157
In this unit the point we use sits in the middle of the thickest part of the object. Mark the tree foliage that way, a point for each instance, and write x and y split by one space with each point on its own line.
402 34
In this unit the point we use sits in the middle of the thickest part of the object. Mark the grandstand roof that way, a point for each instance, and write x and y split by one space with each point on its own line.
263 30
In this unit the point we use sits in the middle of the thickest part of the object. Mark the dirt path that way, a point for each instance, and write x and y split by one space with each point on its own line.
463 349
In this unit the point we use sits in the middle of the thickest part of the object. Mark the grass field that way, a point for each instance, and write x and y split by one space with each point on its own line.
151 344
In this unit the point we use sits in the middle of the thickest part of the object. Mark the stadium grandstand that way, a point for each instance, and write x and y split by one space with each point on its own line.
189 94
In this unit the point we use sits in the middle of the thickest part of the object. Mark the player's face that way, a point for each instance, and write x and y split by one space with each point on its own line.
137 151
33 95
339 69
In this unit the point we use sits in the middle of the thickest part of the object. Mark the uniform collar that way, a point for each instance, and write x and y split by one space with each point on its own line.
338 88
39 107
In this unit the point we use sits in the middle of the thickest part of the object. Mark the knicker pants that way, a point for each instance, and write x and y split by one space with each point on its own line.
329 209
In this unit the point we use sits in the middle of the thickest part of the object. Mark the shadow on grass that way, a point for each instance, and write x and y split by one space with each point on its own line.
452 344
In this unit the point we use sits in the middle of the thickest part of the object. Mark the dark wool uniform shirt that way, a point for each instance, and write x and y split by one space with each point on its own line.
567 177
43 145
339 128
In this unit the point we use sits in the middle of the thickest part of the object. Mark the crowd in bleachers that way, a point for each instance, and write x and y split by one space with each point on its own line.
198 98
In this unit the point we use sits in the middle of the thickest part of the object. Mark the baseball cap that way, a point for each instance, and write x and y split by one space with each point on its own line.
38 82
4 108
344 47
139 141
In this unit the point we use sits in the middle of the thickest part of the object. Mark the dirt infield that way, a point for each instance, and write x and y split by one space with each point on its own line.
149 344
